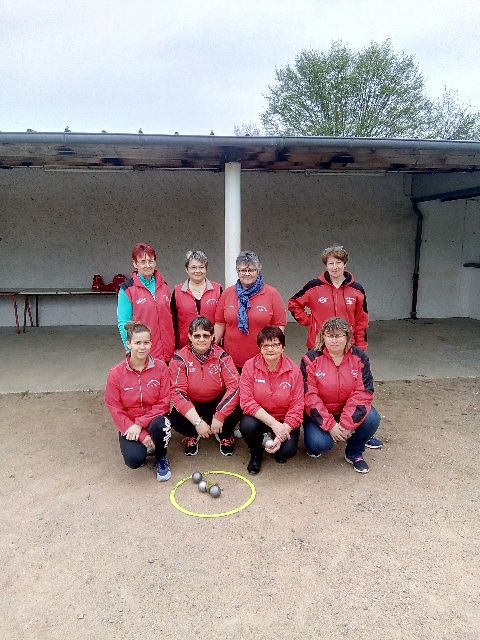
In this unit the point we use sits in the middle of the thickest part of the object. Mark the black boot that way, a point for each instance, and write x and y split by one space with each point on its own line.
255 463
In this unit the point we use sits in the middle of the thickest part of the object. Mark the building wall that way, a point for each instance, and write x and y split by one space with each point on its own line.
58 229
451 238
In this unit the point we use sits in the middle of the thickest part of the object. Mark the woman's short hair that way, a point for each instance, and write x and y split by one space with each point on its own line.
195 255
333 325
141 249
200 322
336 251
246 258
270 333
134 326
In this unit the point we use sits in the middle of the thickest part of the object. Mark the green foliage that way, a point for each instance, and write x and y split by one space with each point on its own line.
375 92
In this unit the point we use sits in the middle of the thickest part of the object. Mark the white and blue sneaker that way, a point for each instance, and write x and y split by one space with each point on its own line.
163 470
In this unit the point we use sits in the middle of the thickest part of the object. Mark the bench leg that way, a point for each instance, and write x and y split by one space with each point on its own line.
15 311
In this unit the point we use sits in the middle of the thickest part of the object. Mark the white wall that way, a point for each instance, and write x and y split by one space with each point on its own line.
451 237
59 229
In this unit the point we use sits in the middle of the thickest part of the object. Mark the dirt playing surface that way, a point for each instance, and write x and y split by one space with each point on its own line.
94 550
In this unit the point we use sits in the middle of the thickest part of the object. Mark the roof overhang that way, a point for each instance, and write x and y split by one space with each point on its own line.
86 151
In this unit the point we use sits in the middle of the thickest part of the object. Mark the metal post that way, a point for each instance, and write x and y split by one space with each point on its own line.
233 219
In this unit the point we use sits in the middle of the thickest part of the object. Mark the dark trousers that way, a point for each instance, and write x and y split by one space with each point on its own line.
206 410
135 453
253 430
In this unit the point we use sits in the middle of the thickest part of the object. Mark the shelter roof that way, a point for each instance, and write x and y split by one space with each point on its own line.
87 151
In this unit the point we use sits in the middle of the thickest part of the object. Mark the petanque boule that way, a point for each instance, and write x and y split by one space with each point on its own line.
202 486
197 477
215 491
268 443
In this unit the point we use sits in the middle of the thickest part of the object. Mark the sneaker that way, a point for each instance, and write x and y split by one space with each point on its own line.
358 462
237 434
227 446
254 465
374 443
279 459
314 455
191 446
150 451
163 470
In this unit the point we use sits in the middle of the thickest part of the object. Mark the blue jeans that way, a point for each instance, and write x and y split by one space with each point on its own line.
318 441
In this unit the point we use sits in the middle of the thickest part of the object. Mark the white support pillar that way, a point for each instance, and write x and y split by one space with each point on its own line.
233 220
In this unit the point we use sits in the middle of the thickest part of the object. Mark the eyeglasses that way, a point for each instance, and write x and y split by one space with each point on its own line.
271 345
245 272
337 336
337 247
201 336
146 263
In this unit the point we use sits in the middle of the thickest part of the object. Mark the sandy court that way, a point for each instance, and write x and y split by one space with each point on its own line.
91 549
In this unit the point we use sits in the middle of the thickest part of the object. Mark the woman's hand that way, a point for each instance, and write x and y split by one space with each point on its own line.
133 432
148 442
217 426
203 429
277 443
339 434
282 431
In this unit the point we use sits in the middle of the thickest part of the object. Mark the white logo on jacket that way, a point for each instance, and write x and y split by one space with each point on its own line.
349 300
154 383
211 301
213 368
355 373
320 374
322 300
166 298
258 380
260 307
284 385
141 300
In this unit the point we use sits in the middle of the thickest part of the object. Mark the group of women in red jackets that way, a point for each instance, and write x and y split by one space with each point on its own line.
250 380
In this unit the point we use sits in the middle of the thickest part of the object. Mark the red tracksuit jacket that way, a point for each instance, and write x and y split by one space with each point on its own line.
185 307
136 397
267 308
279 392
325 301
194 382
345 391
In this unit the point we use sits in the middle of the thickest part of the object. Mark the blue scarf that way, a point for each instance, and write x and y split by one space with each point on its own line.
244 296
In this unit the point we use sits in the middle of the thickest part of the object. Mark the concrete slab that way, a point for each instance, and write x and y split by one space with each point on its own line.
78 358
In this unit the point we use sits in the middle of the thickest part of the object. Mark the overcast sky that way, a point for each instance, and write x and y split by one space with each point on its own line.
196 65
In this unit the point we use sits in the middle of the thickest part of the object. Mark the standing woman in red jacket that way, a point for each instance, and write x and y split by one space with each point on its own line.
205 392
271 398
197 296
338 395
146 297
334 293
138 397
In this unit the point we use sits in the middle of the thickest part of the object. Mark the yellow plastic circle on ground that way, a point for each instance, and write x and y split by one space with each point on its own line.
213 515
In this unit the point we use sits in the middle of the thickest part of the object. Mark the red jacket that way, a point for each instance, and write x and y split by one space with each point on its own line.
345 391
136 397
185 307
325 301
194 382
155 313
267 308
279 392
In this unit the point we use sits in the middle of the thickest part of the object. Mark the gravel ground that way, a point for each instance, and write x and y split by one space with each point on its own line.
91 549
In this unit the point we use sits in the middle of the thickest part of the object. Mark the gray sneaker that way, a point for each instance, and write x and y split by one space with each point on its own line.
163 470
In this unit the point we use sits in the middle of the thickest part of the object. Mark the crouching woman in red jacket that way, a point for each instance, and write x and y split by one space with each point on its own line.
338 395
271 398
205 392
138 397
